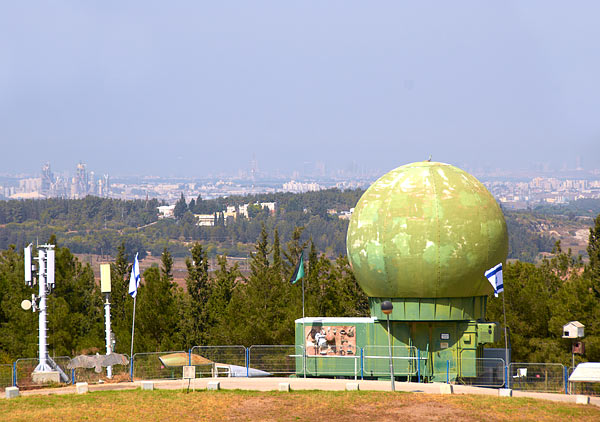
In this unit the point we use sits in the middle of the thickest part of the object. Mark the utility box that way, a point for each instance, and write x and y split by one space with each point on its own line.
488 332
573 329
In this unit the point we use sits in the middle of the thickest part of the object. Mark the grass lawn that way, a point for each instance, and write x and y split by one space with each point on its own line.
176 405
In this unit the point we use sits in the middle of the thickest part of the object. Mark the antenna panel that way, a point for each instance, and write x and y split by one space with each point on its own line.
105 278
27 254
50 267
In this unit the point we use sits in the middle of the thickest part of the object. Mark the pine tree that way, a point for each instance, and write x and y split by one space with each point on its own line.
180 207
277 264
218 307
156 313
197 285
592 270
18 328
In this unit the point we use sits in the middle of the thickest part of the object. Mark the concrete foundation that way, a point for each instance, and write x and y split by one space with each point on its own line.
81 387
582 399
213 385
147 385
284 386
12 392
45 377
446 389
352 386
505 392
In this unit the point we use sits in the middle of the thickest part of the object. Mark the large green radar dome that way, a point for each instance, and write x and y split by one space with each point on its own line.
426 230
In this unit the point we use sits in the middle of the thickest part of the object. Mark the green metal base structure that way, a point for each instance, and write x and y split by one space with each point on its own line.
432 339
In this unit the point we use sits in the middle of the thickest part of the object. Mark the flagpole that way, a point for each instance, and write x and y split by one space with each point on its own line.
132 333
505 330
303 332
302 297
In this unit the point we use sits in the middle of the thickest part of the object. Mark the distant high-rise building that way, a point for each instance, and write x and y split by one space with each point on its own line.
104 186
47 180
80 181
253 168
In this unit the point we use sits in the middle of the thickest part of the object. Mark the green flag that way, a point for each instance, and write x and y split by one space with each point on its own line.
299 271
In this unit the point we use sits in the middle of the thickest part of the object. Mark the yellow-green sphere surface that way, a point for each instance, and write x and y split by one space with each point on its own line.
426 230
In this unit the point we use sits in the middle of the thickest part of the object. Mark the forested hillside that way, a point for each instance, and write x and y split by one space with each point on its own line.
99 226
208 310
223 307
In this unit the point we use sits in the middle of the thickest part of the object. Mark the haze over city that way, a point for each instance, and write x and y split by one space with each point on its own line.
190 89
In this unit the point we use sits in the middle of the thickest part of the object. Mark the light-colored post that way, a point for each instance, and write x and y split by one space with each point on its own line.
108 345
387 307
390 350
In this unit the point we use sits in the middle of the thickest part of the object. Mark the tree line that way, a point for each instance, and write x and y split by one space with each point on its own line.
224 307
540 299
220 307
100 225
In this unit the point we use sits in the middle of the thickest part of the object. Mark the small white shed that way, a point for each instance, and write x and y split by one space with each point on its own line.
573 329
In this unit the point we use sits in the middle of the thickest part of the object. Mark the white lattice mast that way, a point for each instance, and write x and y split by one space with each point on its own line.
45 280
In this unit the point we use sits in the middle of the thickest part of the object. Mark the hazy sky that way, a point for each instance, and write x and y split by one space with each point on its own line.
188 88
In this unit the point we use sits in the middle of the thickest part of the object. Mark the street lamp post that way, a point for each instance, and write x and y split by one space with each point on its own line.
386 308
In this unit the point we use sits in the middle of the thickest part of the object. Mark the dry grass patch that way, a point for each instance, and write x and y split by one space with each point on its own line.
169 405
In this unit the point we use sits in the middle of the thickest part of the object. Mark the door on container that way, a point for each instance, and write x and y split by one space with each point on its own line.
444 348
419 335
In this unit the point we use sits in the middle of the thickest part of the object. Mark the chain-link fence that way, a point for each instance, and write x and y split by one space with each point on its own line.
24 372
376 361
158 365
212 361
6 376
276 360
543 377
489 372
120 373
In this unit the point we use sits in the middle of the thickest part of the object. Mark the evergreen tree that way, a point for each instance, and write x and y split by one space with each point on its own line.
197 285
277 263
75 317
218 306
156 313
262 303
18 328
166 269
592 272
180 207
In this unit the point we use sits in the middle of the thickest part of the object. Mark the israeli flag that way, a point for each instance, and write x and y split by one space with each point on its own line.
134 280
494 276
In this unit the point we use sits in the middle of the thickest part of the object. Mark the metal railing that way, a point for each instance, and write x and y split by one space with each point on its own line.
489 372
24 368
542 377
375 361
146 366
230 361
291 360
276 359
6 376
120 373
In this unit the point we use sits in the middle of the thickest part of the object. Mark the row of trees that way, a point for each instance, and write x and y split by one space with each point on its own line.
223 307
541 299
217 307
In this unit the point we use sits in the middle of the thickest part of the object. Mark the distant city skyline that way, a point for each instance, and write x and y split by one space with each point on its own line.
189 89
313 170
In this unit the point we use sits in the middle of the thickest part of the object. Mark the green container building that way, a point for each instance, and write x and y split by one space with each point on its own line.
422 236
